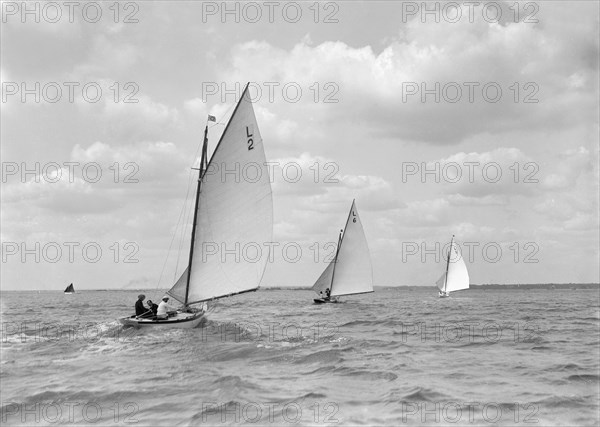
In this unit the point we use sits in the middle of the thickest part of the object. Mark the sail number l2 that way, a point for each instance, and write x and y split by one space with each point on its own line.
249 135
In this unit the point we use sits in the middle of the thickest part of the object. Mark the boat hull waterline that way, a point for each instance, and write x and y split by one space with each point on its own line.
180 321
325 301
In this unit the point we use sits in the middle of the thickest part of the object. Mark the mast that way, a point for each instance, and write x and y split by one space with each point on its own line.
200 173
448 263
340 238
335 261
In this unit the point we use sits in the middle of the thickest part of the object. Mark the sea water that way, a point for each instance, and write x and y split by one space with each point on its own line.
398 356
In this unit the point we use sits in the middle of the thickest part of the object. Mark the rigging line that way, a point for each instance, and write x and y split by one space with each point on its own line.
183 209
173 237
183 225
187 210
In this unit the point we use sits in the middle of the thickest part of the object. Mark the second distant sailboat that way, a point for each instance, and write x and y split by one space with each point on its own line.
456 277
350 272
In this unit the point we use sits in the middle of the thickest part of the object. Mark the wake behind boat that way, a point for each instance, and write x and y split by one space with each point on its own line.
456 277
350 272
229 212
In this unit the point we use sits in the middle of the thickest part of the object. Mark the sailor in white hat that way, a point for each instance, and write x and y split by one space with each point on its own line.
163 308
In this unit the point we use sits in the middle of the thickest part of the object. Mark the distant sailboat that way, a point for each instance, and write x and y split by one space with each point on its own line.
350 272
456 276
231 212
70 289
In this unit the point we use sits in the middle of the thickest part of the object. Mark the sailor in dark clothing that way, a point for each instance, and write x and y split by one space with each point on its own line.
153 307
139 305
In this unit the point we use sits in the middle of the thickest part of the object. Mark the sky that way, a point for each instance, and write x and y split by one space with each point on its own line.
480 121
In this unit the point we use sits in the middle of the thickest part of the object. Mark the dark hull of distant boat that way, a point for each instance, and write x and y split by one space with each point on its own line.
324 301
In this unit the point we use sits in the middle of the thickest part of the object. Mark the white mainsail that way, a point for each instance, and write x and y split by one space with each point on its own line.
234 216
457 277
351 271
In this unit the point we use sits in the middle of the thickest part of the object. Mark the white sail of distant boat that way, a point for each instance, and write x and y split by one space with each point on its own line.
70 289
233 212
350 272
456 276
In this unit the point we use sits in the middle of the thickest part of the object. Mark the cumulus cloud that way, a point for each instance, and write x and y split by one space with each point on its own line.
569 166
503 171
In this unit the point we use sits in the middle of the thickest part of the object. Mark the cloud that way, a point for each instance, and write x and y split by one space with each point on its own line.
570 166
467 62
504 172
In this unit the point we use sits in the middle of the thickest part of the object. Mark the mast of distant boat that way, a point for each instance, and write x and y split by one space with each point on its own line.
448 264
340 239
335 261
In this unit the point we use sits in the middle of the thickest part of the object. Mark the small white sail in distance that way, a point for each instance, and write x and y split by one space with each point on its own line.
235 214
351 271
457 277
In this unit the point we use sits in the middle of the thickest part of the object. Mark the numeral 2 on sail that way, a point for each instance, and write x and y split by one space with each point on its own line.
250 140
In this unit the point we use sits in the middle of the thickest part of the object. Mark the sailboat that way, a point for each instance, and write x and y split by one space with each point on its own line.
233 211
350 272
70 289
456 276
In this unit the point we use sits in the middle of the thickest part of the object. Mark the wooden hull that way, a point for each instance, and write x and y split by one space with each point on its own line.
443 294
179 321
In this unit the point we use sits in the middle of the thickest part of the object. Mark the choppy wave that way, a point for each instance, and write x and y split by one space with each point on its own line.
379 359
